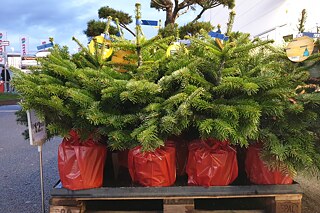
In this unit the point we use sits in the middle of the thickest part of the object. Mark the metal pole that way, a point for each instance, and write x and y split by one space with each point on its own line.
41 179
5 69
138 32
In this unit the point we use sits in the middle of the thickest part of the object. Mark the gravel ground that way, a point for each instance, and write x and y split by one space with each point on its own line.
311 196
19 171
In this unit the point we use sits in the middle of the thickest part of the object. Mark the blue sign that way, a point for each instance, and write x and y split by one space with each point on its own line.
149 22
44 46
218 35
311 35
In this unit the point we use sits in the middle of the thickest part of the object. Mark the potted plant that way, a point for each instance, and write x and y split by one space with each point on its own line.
242 92
289 114
81 163
208 94
211 163
59 92
238 91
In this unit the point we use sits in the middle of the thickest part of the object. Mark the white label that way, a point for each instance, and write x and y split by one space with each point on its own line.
37 129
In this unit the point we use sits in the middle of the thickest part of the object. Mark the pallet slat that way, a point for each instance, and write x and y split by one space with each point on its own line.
176 199
178 191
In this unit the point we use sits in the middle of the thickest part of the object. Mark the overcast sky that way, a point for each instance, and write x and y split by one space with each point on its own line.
61 19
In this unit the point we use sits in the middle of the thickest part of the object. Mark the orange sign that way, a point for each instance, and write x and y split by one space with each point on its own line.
121 57
299 49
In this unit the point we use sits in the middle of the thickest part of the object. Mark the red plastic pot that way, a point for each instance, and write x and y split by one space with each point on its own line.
81 164
259 173
211 163
123 158
181 154
157 168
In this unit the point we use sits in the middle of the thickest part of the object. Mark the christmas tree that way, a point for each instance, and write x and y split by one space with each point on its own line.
241 90
244 92
97 96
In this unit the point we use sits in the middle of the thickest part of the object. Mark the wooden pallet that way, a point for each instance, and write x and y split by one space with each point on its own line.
176 199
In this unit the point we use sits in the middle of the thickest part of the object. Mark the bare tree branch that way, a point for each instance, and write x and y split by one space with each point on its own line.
183 12
128 29
199 15
174 9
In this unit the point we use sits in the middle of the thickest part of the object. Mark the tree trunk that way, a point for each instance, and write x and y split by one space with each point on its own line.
169 17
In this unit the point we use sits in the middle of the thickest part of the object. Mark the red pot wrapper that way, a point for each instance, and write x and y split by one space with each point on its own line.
181 154
157 168
81 165
211 163
259 173
123 158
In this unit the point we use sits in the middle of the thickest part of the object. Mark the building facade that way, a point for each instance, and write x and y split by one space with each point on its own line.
268 19
14 60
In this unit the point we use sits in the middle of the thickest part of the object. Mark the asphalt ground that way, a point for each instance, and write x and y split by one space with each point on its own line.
20 188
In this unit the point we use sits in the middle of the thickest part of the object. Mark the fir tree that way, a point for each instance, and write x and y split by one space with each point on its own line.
242 91
89 94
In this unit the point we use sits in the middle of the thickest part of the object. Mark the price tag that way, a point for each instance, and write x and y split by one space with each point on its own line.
37 129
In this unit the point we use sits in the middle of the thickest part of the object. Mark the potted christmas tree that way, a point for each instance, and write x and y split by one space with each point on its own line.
220 95
60 93
241 92
287 134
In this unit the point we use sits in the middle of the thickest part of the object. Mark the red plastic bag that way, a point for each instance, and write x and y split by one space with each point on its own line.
157 168
123 158
81 165
211 163
181 154
258 172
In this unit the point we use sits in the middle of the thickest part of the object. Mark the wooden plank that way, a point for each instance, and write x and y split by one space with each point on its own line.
110 211
178 192
178 201
287 197
288 203
230 211
65 202
288 207
280 204
195 211
178 205
66 205
66 209
276 198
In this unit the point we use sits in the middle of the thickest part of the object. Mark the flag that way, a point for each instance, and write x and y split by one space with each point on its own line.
2 38
24 44
45 46
218 35
118 34
149 22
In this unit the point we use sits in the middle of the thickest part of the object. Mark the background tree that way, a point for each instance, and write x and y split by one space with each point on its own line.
302 21
205 5
176 8
192 28
95 28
